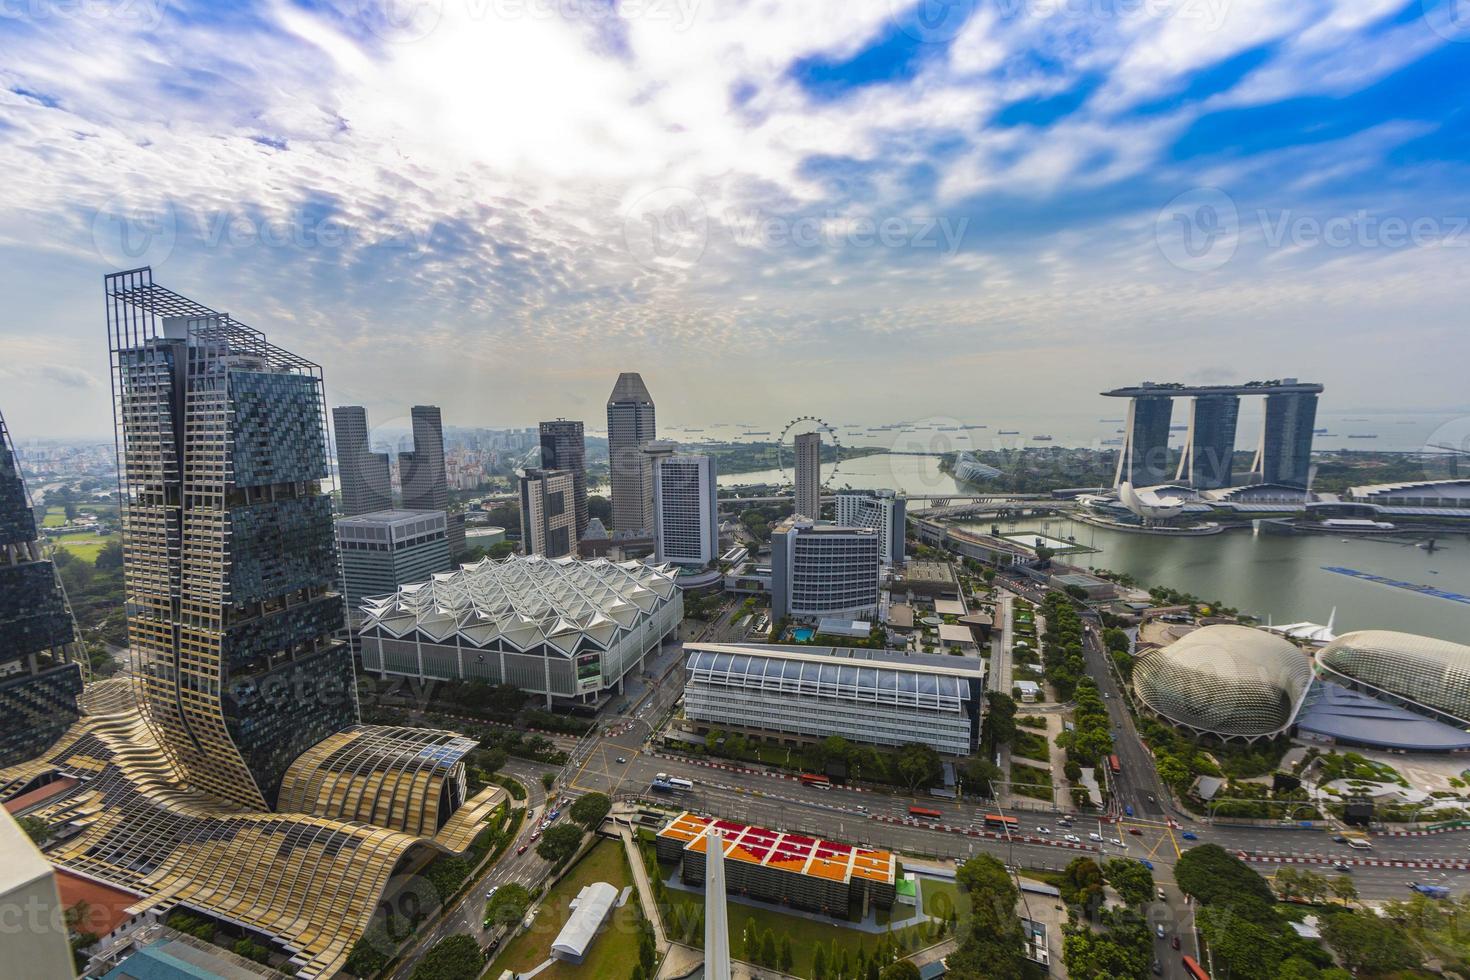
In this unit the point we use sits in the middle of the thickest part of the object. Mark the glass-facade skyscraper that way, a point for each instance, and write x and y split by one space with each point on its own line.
230 564
1209 450
367 483
1286 441
630 423
39 680
422 475
1144 461
564 447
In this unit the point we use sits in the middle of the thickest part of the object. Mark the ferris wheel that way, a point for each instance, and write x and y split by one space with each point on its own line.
786 447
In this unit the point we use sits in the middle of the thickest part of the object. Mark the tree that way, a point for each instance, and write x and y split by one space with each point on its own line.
370 953
999 724
36 829
559 843
785 957
1344 888
548 779
1210 873
918 766
1288 883
1089 954
1130 879
1243 947
769 954
1368 944
1313 887
508 905
981 775
993 946
252 950
819 963
1082 884
591 810
456 957
900 970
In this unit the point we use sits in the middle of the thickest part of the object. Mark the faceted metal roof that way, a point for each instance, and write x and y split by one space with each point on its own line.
1226 680
1423 669
525 601
888 683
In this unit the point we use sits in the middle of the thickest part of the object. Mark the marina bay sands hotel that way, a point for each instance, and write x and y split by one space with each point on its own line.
1283 449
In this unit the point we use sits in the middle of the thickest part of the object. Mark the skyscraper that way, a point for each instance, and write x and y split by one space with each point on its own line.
1209 446
809 475
421 472
548 520
1145 456
877 510
820 570
630 423
230 566
39 680
686 525
564 448
367 484
1285 456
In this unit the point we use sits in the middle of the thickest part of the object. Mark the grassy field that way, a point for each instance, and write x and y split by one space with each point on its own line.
1030 745
55 517
805 934
615 950
1031 781
84 544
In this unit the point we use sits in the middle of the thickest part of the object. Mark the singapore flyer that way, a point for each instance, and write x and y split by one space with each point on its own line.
786 447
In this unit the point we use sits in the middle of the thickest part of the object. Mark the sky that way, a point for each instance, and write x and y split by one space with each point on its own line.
858 209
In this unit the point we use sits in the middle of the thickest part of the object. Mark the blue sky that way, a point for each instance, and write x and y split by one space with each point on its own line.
863 209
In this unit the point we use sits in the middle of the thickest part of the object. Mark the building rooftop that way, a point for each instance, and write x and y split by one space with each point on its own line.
589 909
927 571
1179 390
949 607
955 633
792 853
395 516
923 663
901 615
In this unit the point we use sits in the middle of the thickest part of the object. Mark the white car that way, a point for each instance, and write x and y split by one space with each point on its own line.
1043 830
1095 838
1071 839
1118 841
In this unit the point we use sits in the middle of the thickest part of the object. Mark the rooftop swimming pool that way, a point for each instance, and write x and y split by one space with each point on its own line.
803 633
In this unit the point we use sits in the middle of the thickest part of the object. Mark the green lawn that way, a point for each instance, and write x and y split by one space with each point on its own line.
1030 745
1031 781
84 544
939 897
805 934
55 517
615 950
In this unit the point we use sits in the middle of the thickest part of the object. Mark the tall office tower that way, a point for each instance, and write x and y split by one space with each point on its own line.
563 448
548 517
630 424
877 510
686 527
820 569
1285 455
1209 445
1144 458
388 549
422 476
230 567
716 909
808 481
367 484
39 680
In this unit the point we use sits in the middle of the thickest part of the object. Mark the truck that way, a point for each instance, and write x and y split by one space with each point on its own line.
664 782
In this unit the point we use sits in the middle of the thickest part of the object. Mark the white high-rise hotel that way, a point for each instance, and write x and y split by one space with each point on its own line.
877 510
686 528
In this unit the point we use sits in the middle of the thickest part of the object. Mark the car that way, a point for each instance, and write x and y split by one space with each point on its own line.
535 834
1071 839
621 760
1158 968
1339 839
1043 830
522 848
1106 694
1341 868
1146 863
1160 893
1095 837
1117 842
1174 942
1064 822
1128 810
862 809
1189 835
1135 831
492 891
1159 930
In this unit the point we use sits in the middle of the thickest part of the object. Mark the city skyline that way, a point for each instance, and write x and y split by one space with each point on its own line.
1038 174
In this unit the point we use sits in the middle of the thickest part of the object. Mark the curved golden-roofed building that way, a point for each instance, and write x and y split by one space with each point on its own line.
309 879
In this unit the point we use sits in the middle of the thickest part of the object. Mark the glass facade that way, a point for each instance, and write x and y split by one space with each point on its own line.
1286 445
1145 460
38 682
230 561
1210 455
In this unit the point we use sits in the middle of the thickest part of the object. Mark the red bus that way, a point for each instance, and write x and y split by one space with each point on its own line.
921 811
807 779
1113 764
1193 969
997 822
